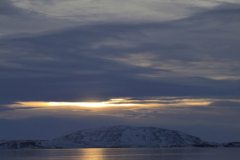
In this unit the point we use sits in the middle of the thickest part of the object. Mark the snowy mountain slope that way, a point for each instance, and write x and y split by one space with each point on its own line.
117 137
130 136
37 144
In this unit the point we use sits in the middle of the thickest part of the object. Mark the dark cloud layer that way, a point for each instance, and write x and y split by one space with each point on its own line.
80 88
226 104
6 8
90 61
5 108
21 22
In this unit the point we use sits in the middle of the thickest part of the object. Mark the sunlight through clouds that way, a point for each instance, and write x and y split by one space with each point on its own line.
111 103
125 102
131 108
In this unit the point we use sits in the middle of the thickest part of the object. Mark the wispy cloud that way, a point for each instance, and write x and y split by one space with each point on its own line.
111 10
6 108
23 22
191 47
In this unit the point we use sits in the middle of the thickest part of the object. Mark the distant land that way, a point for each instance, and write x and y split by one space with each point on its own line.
123 136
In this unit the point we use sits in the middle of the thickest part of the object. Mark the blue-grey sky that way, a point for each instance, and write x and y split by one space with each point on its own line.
170 64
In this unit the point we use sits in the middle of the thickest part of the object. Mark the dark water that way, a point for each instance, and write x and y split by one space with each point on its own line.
124 154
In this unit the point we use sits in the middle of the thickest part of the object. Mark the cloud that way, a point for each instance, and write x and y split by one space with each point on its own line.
225 104
142 110
85 110
108 10
144 116
131 116
202 49
7 8
17 21
174 58
5 108
116 11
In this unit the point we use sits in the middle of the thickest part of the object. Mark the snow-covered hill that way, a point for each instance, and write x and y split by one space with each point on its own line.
130 136
123 136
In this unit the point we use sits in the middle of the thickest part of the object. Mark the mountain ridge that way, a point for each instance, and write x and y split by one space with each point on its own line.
130 136
122 136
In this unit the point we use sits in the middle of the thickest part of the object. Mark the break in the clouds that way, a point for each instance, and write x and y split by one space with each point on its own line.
58 54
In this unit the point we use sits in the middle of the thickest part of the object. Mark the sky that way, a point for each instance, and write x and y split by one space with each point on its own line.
72 65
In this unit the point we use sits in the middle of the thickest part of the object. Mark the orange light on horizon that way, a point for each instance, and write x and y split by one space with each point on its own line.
89 104
121 102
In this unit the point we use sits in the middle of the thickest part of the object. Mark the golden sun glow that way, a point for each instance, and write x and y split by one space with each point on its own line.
122 102
122 107
110 103
88 104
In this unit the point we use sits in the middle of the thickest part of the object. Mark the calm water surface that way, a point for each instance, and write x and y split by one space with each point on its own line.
123 154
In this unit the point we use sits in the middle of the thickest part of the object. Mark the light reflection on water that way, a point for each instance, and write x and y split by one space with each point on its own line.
123 154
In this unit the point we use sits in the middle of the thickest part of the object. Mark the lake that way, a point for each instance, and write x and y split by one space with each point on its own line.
122 154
